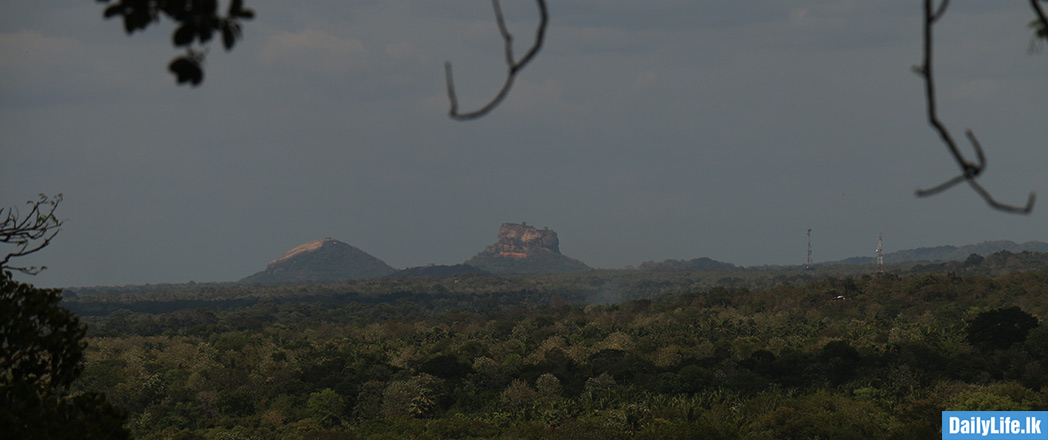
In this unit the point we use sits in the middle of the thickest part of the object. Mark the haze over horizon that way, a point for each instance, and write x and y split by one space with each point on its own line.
679 130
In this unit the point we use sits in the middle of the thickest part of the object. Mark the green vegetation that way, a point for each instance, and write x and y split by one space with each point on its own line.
536 262
742 354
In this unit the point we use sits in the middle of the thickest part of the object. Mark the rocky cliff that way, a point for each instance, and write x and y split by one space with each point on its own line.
520 240
525 249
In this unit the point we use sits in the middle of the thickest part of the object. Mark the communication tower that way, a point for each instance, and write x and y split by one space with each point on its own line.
880 254
809 266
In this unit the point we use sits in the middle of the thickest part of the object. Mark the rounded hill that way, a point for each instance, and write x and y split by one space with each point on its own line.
321 261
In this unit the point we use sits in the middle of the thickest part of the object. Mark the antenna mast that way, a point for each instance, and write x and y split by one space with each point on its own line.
880 254
809 267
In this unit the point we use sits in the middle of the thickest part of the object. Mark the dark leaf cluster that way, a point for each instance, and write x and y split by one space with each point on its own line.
197 21
1000 328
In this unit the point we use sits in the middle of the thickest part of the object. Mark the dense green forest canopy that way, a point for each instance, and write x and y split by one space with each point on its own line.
861 356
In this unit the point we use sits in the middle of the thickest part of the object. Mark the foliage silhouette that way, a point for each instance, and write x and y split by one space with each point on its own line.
197 21
42 354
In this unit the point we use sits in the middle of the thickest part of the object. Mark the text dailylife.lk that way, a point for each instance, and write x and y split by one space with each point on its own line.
994 425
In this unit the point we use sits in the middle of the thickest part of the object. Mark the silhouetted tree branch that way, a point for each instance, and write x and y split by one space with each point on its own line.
198 21
969 170
1043 31
30 233
514 66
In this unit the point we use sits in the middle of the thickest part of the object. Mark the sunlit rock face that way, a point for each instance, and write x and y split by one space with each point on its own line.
525 249
518 240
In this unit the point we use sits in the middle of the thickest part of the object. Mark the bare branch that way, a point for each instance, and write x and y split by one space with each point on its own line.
507 38
1003 206
30 233
941 187
941 10
513 66
969 170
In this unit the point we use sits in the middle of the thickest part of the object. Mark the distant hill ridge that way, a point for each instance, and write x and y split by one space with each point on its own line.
949 253
320 261
522 249
693 264
439 270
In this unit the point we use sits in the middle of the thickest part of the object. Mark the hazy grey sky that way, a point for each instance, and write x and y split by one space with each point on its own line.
643 131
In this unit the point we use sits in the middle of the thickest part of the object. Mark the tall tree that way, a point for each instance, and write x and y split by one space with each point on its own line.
1000 328
41 356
